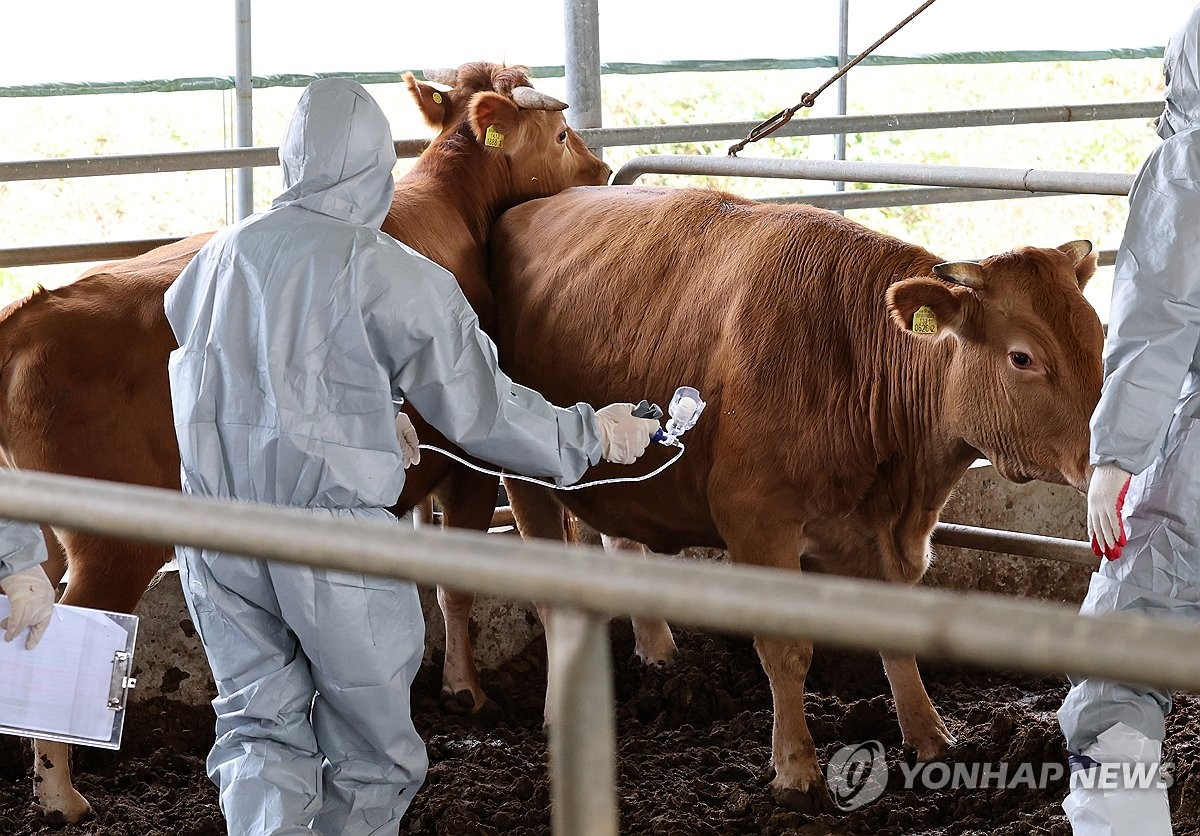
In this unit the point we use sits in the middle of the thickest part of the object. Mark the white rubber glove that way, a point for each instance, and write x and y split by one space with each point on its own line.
407 434
624 437
32 599
1105 499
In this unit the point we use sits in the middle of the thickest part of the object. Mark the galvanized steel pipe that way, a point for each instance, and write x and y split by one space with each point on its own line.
582 19
972 628
1015 542
159 163
1017 179
653 134
243 114
965 537
582 729
821 125
75 253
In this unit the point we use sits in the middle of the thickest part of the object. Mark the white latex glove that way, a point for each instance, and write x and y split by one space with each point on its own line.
32 599
1105 499
407 434
624 437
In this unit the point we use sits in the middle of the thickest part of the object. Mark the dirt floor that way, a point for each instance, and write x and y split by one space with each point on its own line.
693 744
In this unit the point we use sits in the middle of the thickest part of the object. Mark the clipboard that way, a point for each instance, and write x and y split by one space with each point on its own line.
72 687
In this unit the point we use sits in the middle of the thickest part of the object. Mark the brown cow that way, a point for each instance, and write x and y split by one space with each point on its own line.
83 369
833 434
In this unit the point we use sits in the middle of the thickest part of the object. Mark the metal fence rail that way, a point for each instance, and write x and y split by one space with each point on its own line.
595 138
971 628
1030 180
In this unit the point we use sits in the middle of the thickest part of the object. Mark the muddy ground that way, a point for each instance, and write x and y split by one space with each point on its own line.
693 744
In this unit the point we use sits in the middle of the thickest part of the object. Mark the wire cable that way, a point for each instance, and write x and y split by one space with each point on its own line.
553 486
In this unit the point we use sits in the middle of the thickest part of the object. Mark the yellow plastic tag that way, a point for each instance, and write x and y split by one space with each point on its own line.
492 138
437 97
924 321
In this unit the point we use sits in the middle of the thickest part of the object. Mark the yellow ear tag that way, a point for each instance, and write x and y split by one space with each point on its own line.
924 321
492 138
437 97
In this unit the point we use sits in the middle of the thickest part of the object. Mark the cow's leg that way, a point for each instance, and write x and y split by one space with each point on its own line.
798 783
56 561
108 575
467 500
538 514
653 642
924 732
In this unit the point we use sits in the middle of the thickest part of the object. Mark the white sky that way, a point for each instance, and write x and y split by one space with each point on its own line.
139 39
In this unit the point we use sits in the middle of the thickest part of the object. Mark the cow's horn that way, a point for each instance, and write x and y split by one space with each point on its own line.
531 99
966 273
442 75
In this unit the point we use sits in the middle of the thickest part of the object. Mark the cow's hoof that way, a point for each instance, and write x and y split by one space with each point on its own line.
75 813
489 713
813 801
934 749
461 703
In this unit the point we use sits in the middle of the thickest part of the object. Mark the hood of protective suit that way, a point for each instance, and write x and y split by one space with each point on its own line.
337 154
1181 66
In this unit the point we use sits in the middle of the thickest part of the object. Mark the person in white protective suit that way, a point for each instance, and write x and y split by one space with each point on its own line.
297 328
1146 441
30 595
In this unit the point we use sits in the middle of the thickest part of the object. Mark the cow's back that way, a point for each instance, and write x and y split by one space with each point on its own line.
776 314
78 360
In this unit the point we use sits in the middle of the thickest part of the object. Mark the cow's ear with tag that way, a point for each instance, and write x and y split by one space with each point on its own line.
431 101
493 119
928 308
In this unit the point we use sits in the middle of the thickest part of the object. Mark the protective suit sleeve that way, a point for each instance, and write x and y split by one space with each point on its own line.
427 335
21 546
1154 323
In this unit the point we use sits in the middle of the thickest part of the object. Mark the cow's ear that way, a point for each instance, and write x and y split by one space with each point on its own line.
430 101
493 118
1081 255
927 308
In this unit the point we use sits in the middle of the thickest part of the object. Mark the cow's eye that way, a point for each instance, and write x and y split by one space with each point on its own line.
562 137
1020 359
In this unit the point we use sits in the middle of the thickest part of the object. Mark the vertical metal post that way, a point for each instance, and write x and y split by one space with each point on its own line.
583 64
583 747
243 119
839 152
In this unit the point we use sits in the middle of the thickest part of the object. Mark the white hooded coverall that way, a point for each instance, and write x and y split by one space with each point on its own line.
21 546
296 330
1147 419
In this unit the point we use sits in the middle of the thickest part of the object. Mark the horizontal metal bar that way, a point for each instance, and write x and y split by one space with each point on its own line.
76 253
595 137
902 196
1015 542
973 628
963 536
820 125
160 163
1017 179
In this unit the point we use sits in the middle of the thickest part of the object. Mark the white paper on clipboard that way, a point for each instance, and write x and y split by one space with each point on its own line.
62 686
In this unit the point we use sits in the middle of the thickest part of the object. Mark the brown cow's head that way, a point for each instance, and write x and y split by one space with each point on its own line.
1025 369
521 129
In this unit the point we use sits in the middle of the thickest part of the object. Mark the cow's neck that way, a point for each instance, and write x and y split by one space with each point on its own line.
466 180
920 430
447 204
